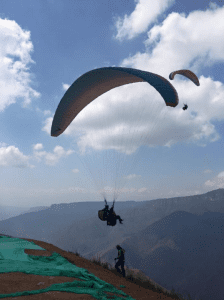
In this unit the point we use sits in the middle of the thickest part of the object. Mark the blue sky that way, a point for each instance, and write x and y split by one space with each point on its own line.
160 152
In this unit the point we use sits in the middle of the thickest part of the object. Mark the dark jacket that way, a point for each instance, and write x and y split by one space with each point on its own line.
121 253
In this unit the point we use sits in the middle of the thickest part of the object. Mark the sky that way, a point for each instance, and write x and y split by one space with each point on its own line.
126 141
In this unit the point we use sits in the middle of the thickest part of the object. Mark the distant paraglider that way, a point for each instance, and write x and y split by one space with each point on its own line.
187 73
99 81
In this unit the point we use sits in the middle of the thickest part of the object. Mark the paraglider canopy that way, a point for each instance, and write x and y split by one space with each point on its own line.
99 81
186 73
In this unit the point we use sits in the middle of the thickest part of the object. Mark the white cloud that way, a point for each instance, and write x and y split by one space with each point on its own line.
44 112
75 170
50 158
65 86
120 119
37 147
217 182
11 157
181 41
142 190
47 126
15 56
146 13
47 112
221 175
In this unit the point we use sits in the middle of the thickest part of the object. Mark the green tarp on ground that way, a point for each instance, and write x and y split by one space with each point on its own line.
14 259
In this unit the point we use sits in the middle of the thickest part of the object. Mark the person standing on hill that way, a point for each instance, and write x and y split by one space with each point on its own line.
120 261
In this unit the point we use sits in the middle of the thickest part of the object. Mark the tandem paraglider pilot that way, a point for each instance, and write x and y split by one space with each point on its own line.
120 261
109 215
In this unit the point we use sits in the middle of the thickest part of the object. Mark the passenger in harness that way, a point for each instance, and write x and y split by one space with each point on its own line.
109 215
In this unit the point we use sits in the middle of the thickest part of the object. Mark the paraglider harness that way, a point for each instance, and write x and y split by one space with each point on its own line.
107 214
185 107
